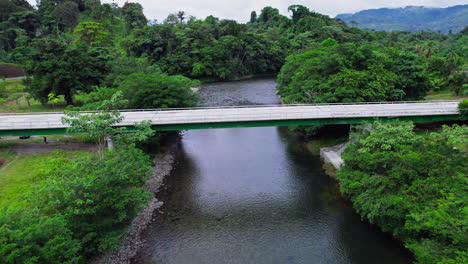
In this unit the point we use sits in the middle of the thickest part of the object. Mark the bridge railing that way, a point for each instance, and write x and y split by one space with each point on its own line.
248 106
244 114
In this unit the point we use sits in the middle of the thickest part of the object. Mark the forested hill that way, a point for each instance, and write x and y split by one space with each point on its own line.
411 18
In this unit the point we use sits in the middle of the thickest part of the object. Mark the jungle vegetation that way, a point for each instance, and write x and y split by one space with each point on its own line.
86 54
413 186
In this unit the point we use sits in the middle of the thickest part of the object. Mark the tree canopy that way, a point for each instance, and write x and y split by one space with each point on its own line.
412 186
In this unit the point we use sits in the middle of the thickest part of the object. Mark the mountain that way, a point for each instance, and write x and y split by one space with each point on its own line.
411 18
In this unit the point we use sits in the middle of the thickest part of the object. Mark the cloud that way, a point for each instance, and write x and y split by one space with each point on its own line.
240 9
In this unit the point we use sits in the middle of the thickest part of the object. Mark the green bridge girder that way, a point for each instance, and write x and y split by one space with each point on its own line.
268 123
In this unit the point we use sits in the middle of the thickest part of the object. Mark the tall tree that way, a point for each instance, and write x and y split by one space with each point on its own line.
253 17
133 14
62 69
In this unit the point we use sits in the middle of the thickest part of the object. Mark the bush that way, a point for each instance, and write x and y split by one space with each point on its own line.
27 236
97 197
159 91
413 187
463 108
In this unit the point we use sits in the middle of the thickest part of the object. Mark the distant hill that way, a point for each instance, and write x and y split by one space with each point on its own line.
411 18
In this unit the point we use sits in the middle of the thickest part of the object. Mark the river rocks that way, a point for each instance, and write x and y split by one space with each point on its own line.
332 158
195 89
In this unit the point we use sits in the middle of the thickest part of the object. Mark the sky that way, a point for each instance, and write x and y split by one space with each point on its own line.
240 9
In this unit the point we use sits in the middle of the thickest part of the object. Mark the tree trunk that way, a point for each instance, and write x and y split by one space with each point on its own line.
68 98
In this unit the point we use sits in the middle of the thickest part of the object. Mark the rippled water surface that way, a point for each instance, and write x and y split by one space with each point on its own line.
255 195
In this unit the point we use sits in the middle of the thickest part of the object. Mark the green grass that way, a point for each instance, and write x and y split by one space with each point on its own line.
444 95
17 100
24 173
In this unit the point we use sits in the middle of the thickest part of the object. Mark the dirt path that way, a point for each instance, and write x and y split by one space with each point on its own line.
37 148
8 164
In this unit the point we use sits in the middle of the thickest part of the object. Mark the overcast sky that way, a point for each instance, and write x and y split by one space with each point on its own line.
240 9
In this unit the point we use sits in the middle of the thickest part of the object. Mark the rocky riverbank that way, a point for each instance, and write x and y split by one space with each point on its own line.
163 164
331 157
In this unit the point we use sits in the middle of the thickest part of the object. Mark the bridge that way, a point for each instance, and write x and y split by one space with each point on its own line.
20 124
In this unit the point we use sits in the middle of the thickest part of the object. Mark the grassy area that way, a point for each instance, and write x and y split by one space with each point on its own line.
51 139
15 99
24 172
444 95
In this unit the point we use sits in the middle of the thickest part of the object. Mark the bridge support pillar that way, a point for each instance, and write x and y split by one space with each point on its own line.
110 143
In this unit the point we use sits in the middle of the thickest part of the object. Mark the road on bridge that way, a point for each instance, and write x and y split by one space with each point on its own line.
248 114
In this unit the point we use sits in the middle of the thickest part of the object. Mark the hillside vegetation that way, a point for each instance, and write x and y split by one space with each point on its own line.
411 18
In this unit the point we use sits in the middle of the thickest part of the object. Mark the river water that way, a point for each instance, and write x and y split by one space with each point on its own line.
256 195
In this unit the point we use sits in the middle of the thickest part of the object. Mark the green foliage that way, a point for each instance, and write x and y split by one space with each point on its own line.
158 91
463 108
62 69
18 23
92 34
457 82
97 197
351 73
133 14
27 236
67 14
101 124
120 67
413 186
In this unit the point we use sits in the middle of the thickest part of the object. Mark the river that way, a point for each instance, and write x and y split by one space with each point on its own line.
256 195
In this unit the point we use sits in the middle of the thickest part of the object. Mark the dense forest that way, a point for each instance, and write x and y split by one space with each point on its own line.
411 18
413 186
71 48
104 57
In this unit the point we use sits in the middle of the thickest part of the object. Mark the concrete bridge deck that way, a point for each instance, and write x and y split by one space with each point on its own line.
198 118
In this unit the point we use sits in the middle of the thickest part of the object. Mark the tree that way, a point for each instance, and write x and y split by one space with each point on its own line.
352 73
93 34
28 236
18 21
67 14
412 186
268 13
158 91
298 12
181 16
253 17
171 19
100 125
133 14
62 69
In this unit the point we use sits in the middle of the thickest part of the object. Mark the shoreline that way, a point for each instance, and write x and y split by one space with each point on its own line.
132 240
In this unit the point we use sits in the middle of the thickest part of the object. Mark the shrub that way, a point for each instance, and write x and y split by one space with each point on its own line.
463 108
27 236
97 197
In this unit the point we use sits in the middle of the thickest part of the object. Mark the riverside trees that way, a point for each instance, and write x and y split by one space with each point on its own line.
412 186
80 207
214 48
352 72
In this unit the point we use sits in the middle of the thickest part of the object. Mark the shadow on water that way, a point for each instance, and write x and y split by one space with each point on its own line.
256 195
